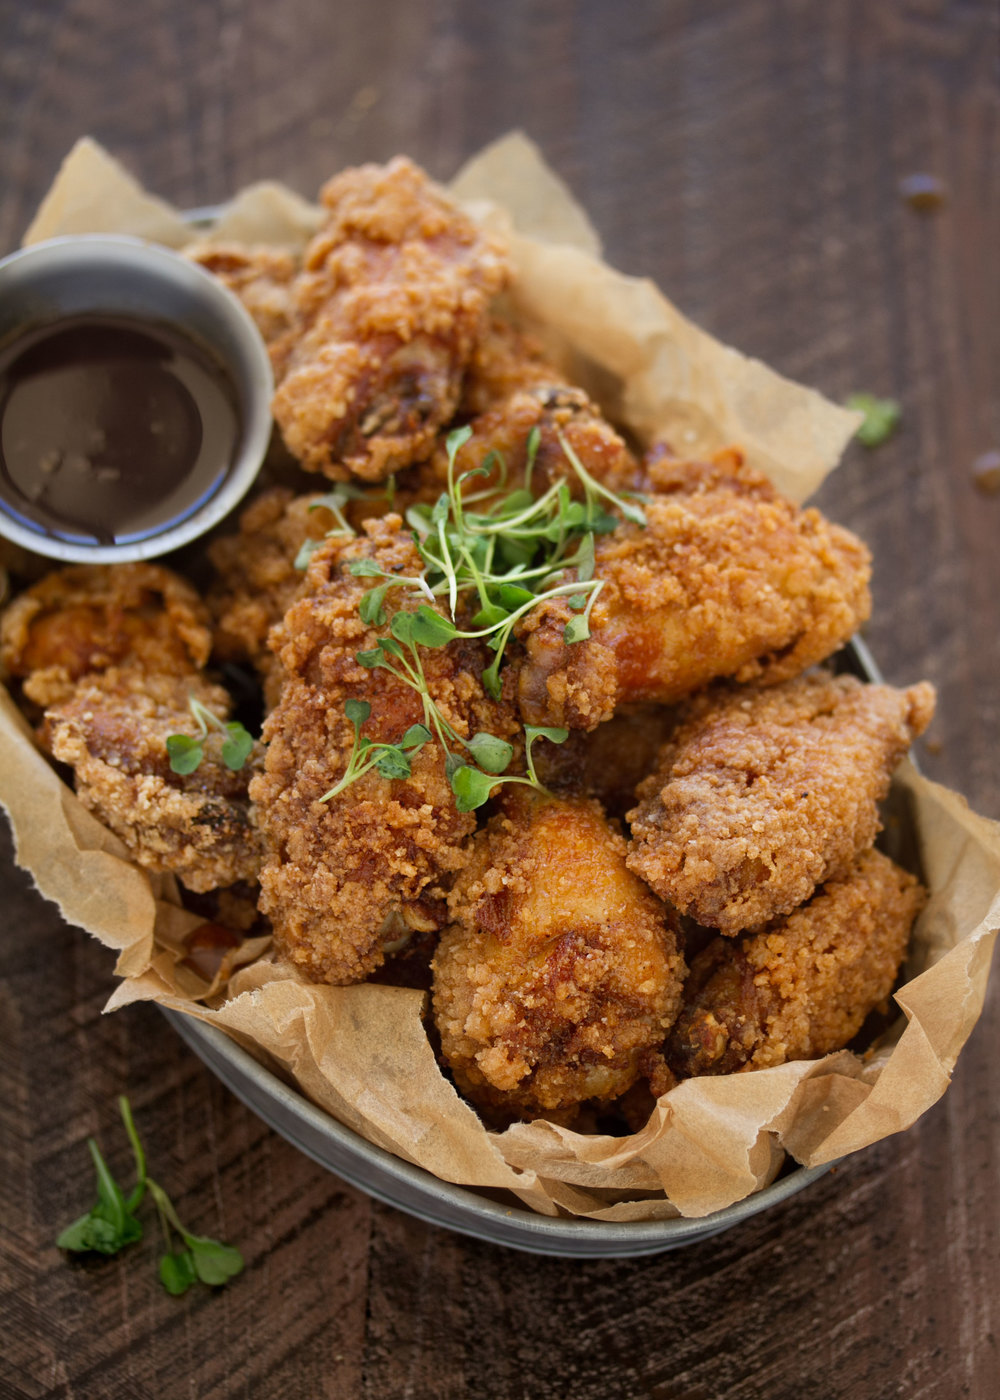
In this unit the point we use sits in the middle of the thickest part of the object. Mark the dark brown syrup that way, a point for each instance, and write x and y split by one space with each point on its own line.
111 428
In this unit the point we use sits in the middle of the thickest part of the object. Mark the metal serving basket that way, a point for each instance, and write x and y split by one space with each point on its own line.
486 1215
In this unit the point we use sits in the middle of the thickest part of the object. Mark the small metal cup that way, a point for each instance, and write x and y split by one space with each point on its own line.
95 273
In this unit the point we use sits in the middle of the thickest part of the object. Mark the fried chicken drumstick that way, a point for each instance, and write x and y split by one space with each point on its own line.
803 986
727 579
761 795
559 971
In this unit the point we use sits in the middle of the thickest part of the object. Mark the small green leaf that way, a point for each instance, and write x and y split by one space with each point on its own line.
401 627
357 711
389 647
306 551
238 746
215 1263
577 601
585 559
491 679
110 1201
457 439
601 523
491 753
538 731
371 609
370 659
393 763
430 629
365 568
492 615
576 630
471 788
512 596
881 418
452 763
184 753
178 1272
416 736
441 508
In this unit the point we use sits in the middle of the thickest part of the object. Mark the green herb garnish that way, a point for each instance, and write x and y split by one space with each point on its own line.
112 1224
493 552
186 752
882 417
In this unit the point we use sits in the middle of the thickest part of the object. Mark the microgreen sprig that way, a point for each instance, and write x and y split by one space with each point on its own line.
492 554
112 1224
186 751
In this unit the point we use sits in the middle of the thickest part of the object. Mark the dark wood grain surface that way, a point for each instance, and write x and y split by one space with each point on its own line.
746 156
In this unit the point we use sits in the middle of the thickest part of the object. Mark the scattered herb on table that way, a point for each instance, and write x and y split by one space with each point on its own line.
881 418
112 1223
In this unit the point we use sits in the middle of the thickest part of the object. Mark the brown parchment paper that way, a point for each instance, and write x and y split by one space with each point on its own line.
361 1052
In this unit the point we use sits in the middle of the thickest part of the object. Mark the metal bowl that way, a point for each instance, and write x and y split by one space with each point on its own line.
494 1216
111 274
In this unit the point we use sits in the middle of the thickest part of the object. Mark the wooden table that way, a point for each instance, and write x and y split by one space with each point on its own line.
746 156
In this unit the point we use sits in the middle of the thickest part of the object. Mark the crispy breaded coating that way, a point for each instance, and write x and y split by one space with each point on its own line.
87 617
257 578
343 875
393 296
727 579
504 361
559 971
113 731
761 795
260 276
803 986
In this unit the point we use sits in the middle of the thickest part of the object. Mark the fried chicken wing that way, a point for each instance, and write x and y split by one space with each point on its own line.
761 795
727 579
87 617
344 877
559 971
803 986
113 730
392 299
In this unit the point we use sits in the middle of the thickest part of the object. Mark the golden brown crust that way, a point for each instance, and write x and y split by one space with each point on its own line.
340 874
803 987
559 971
393 296
87 617
113 730
727 579
761 795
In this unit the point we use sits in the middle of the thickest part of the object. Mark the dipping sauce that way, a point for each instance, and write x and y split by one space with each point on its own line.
111 427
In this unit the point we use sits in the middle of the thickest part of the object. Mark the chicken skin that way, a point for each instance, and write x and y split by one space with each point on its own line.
727 579
87 617
393 296
803 986
559 973
761 795
113 731
346 876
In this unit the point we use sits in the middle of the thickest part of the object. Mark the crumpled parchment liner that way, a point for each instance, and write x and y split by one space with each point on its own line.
361 1052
